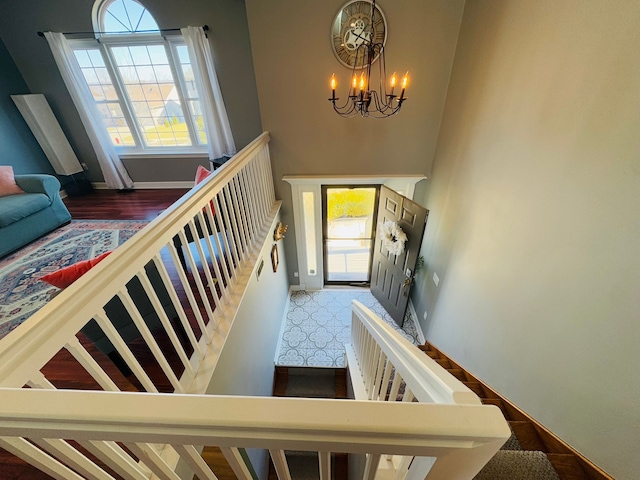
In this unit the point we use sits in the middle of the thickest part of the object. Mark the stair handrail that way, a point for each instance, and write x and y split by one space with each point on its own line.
441 431
32 344
428 381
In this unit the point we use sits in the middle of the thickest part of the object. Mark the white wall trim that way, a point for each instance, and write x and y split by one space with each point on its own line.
351 179
419 331
148 185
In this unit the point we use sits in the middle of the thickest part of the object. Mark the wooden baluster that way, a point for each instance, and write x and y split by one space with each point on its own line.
237 463
166 323
149 339
195 308
324 461
190 455
125 352
280 464
182 316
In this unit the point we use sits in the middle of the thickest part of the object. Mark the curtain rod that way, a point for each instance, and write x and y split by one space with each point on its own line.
163 30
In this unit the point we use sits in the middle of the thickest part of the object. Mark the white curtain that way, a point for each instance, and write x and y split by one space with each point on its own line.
113 170
220 140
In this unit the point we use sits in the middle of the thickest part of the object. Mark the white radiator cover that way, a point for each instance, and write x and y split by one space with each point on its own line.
45 127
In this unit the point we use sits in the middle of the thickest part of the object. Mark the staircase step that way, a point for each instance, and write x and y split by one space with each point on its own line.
444 363
304 465
314 382
458 373
476 388
512 442
280 381
567 466
520 465
508 411
527 435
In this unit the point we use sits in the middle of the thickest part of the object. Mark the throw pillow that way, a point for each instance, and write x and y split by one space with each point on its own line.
201 174
66 276
8 185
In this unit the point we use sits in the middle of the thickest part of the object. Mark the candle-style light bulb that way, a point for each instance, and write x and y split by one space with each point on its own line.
354 84
362 81
334 83
405 82
394 80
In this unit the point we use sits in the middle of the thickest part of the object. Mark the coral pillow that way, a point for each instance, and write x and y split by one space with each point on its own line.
201 174
67 275
8 185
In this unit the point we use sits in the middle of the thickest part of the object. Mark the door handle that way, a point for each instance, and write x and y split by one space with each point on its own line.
406 283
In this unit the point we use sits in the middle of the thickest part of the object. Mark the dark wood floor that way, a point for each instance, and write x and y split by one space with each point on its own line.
98 205
130 205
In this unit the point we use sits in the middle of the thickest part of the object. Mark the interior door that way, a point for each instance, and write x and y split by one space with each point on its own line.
391 275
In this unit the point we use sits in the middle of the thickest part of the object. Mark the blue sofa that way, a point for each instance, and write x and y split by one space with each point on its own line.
25 217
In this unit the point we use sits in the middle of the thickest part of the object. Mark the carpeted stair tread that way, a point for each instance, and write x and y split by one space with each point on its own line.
512 442
518 465
305 465
311 383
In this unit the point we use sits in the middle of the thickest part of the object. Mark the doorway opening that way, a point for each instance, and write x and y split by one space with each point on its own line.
348 231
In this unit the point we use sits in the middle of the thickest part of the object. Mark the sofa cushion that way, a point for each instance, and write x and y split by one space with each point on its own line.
16 207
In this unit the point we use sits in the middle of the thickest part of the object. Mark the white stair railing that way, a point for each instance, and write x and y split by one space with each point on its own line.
180 292
385 367
277 424
172 289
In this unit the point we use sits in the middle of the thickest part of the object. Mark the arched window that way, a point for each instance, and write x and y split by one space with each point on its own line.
123 16
142 82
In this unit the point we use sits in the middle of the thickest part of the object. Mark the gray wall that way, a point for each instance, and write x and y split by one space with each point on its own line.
534 223
293 61
229 37
246 365
18 146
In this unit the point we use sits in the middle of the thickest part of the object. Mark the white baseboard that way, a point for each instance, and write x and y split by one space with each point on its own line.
148 185
297 288
419 331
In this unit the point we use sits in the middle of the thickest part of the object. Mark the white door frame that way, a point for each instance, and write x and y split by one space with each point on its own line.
313 279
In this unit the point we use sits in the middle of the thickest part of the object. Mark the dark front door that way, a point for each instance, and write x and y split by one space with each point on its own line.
391 274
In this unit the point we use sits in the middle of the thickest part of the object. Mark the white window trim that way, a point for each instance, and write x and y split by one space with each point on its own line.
142 151
403 184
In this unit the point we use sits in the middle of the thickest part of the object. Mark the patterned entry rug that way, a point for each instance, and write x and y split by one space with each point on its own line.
318 324
22 292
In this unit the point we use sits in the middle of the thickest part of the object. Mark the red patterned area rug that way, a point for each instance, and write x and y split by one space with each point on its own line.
22 292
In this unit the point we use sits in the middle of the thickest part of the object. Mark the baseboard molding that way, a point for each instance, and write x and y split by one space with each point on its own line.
555 448
412 310
297 288
148 185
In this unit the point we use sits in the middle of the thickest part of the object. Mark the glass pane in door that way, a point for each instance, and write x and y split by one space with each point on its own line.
348 233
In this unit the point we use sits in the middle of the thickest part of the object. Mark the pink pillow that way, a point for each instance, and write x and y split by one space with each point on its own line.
66 276
8 185
201 174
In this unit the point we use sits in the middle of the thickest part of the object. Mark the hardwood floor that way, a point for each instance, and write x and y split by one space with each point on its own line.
130 205
98 205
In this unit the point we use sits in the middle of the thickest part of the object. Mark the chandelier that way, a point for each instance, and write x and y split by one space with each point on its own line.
359 42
